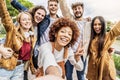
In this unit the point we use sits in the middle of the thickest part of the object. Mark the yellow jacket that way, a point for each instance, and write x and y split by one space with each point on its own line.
14 35
103 68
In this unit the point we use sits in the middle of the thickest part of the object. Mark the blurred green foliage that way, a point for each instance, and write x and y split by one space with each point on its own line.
117 62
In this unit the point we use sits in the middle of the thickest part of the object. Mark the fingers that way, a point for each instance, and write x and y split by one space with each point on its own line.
7 53
79 53
9 50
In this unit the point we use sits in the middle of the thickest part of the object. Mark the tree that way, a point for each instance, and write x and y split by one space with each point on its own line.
13 12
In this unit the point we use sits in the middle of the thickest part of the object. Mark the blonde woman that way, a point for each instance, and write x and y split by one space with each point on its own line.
20 39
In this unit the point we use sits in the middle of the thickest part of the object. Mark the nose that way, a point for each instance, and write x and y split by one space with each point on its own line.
77 9
66 34
28 20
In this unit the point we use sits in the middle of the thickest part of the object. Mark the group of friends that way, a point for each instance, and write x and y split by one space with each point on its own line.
50 46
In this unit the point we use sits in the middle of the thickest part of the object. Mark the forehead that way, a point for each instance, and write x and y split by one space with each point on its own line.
97 20
67 28
52 2
77 6
24 15
40 10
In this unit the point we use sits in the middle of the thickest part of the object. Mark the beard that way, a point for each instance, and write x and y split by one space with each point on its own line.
78 14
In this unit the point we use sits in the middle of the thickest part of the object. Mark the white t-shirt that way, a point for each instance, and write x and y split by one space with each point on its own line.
46 58
45 37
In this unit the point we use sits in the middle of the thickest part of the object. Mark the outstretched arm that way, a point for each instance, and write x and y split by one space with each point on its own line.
64 9
18 6
5 17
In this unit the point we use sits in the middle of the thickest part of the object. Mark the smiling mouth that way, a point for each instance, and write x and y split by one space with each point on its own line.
64 40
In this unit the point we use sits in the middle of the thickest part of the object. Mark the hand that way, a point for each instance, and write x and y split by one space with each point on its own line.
111 50
88 19
6 52
49 77
79 53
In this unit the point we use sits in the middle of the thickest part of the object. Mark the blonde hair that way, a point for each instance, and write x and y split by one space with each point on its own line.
21 13
19 16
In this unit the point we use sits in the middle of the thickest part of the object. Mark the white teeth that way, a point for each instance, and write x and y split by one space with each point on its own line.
64 39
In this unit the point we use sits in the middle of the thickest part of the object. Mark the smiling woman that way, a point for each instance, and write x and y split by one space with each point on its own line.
63 34
20 40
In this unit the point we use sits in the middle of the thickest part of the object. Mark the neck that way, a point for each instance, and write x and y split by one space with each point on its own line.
57 46
25 30
54 16
34 24
79 19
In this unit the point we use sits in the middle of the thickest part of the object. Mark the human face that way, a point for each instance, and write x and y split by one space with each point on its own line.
39 15
78 11
97 26
25 21
52 7
64 36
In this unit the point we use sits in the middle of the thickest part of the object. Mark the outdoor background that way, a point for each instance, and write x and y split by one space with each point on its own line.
109 9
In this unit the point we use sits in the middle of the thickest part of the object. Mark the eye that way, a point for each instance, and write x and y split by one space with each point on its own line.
95 24
55 5
63 31
70 34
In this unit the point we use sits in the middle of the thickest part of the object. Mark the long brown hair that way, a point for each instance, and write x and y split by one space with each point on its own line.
101 36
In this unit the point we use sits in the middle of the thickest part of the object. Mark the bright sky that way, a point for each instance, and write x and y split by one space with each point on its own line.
109 9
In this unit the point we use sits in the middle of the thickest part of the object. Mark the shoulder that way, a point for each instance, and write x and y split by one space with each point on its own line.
46 46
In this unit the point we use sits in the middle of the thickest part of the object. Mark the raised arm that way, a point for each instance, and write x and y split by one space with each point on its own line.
65 10
112 34
5 17
18 6
116 30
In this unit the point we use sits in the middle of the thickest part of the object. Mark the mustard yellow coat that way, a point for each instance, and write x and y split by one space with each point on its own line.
103 68
14 35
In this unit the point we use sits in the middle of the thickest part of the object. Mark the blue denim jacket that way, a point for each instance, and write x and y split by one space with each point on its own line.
18 6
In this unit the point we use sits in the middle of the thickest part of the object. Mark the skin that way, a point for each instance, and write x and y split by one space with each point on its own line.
39 15
53 8
63 37
97 26
6 52
25 22
49 77
78 12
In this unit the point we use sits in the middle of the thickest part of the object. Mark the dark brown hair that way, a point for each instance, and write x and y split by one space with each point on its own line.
34 9
101 36
64 22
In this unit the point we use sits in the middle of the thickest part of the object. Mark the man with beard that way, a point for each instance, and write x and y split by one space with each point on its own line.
83 40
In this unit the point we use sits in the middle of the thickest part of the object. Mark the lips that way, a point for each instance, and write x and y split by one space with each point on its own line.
38 19
97 30
65 40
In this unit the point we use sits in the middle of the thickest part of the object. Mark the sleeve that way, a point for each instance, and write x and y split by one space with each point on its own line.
112 34
5 17
45 57
64 9
115 31
78 65
18 6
